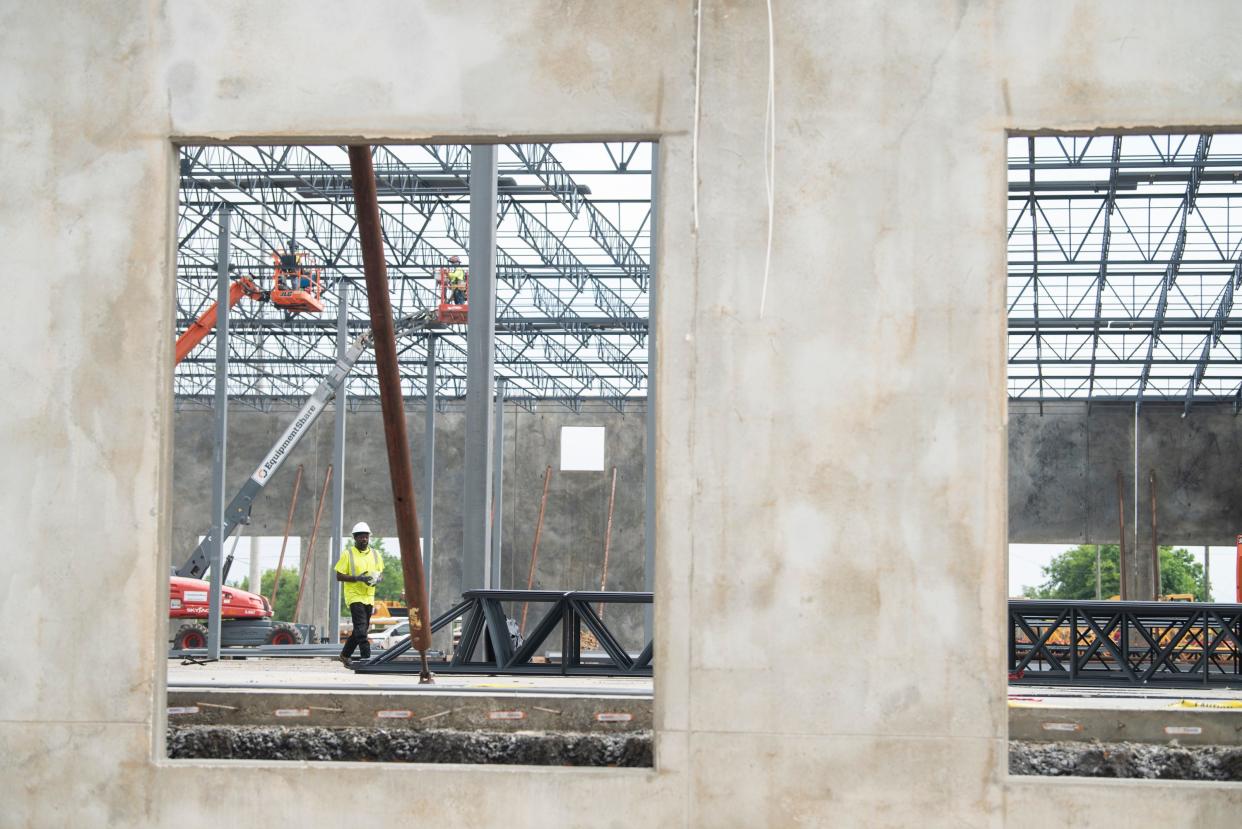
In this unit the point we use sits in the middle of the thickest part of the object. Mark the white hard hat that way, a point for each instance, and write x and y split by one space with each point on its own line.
361 527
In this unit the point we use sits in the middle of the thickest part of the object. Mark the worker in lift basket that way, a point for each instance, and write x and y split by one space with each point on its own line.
361 567
457 281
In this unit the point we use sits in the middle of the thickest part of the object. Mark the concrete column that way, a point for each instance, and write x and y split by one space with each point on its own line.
480 371
336 513
222 432
429 463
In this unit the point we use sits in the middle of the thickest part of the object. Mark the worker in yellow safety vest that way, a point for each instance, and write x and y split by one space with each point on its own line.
457 281
360 567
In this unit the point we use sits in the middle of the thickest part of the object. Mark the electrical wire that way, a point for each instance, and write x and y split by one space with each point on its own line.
769 154
694 128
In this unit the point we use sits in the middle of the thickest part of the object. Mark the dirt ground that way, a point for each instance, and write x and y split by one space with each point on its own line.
409 746
1143 760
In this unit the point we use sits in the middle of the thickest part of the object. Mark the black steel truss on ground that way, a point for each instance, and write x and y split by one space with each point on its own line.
573 267
1174 644
488 646
1124 259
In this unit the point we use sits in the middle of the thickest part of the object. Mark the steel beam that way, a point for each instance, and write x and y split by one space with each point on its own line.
1175 259
480 369
1219 320
1102 276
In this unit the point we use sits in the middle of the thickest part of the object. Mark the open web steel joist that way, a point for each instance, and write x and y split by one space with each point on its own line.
1125 253
1175 644
568 626
572 284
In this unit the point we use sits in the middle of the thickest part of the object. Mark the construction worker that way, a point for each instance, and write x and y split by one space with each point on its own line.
361 567
291 264
457 281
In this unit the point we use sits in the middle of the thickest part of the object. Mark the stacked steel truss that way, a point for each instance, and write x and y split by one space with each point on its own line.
1123 265
1125 643
573 268
491 643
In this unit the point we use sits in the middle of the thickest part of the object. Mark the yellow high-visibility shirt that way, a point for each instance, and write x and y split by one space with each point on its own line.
355 562
456 276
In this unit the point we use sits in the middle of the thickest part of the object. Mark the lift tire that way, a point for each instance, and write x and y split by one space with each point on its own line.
284 633
190 636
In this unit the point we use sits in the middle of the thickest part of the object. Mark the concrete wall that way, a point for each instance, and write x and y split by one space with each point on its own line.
1063 469
836 464
572 544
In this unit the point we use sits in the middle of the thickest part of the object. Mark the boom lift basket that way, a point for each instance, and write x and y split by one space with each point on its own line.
296 287
449 312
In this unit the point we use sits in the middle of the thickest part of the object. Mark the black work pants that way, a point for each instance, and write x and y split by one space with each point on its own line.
360 614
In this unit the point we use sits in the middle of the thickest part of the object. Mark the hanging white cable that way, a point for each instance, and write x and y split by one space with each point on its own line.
769 154
694 128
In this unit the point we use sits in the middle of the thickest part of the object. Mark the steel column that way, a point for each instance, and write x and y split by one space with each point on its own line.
498 477
480 371
332 630
429 461
1098 576
1207 574
400 468
256 571
218 502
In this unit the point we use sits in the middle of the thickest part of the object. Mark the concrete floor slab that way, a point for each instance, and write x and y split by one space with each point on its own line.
1147 715
320 692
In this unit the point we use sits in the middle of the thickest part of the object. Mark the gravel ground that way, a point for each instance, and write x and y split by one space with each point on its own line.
1146 760
411 746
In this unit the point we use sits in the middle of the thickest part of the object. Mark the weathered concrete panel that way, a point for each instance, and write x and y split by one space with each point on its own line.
571 549
1048 471
1063 468
834 464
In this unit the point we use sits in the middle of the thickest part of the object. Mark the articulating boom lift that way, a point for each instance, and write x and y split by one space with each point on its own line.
250 614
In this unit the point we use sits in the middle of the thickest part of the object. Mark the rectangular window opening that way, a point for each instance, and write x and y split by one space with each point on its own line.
1124 259
539 583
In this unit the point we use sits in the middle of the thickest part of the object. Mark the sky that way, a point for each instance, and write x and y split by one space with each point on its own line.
1025 561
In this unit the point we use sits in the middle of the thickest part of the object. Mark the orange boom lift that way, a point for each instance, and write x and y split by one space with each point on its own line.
296 288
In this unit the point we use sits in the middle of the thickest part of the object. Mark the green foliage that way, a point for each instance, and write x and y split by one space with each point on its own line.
1071 575
392 588
286 599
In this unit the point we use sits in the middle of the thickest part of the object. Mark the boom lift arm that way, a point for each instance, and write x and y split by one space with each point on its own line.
238 510
202 326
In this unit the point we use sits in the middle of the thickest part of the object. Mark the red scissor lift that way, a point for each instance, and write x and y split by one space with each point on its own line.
451 313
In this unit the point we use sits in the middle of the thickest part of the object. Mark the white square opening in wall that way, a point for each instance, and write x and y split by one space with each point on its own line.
582 448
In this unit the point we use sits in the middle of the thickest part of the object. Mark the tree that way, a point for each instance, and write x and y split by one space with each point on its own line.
286 599
1071 575
392 588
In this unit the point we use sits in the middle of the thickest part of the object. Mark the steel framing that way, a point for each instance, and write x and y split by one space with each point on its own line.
1125 253
572 266
485 646
1174 644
